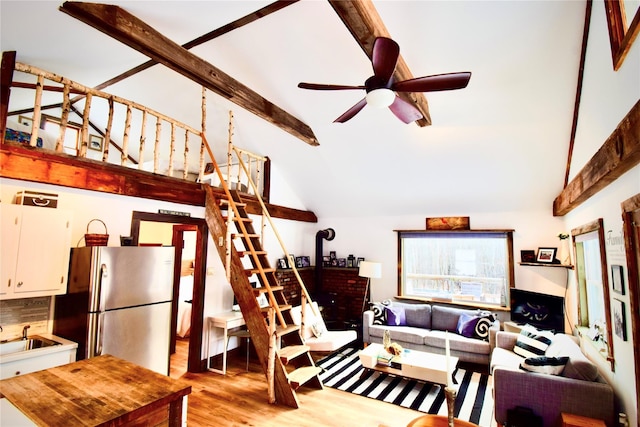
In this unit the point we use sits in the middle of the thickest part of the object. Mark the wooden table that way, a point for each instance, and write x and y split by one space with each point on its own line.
438 421
225 321
101 391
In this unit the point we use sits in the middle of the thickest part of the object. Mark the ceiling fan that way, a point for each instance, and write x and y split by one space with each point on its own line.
381 88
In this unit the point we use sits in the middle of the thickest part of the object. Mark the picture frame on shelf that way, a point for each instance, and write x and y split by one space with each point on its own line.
282 263
291 260
360 259
298 262
96 142
306 261
332 255
528 255
342 262
617 278
326 261
619 319
546 255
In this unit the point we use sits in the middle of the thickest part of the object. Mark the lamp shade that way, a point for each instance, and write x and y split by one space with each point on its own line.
372 270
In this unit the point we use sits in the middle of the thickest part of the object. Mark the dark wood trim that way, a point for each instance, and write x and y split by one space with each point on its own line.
6 78
126 28
177 240
22 162
363 21
631 231
576 105
619 153
621 37
195 362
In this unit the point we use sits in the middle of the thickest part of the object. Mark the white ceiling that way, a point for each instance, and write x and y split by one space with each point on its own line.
498 145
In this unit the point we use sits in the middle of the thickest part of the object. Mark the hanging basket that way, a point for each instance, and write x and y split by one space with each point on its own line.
92 239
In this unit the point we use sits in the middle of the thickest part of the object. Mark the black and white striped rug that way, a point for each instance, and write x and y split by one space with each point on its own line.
474 402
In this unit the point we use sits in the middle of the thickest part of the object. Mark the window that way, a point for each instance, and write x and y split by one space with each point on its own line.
460 265
594 309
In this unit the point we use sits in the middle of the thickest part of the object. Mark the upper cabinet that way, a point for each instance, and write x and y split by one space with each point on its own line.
34 250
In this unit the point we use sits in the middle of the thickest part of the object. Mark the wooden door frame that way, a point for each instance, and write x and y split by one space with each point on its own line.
630 209
195 362
177 240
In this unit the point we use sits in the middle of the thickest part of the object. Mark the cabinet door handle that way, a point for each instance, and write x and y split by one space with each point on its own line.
20 284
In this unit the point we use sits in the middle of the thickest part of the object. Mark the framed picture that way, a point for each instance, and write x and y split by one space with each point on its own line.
617 279
326 261
546 255
282 263
528 256
298 262
96 142
27 121
332 255
359 261
619 319
306 261
342 262
291 261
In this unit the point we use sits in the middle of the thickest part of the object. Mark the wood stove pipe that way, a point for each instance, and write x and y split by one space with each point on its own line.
327 234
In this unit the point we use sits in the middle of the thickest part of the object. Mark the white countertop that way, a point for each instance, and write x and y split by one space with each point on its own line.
36 352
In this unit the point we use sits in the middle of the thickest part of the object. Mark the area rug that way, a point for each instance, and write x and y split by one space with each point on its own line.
474 402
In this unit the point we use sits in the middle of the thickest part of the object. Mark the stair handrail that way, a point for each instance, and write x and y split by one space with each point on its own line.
249 244
265 212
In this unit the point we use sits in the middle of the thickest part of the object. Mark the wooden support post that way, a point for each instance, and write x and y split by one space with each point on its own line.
107 134
125 137
143 139
272 356
64 117
85 125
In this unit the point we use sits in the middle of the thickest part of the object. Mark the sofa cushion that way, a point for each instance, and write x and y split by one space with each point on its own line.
401 334
418 315
457 343
395 316
532 342
379 315
544 364
578 366
503 358
475 326
446 318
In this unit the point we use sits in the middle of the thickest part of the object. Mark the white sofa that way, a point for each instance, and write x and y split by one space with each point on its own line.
315 333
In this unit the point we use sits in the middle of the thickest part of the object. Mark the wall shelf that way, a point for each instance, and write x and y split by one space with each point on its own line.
542 264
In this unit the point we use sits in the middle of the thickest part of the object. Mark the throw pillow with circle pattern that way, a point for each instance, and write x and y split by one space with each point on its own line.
379 315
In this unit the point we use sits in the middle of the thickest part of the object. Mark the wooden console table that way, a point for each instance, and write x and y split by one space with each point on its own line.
101 391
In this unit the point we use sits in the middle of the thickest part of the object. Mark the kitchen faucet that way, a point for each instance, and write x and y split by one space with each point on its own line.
24 331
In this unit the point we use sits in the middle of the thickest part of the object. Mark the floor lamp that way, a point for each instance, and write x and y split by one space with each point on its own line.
370 270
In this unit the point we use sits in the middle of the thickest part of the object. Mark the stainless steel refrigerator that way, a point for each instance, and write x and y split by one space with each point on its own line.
118 302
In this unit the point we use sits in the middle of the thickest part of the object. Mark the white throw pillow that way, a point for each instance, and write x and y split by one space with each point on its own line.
532 342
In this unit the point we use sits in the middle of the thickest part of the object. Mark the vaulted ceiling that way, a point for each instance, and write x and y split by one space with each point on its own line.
498 145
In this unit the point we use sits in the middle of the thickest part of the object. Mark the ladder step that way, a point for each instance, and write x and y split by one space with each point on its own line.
256 271
241 236
258 291
284 307
243 253
285 330
241 219
291 352
226 202
302 375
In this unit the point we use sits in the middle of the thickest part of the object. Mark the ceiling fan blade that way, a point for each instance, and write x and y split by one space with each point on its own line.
320 86
433 83
351 111
384 58
405 111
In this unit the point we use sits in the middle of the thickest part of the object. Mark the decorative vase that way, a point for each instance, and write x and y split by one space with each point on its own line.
563 254
386 339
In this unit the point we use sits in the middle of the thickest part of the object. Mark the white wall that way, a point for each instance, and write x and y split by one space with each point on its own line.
607 97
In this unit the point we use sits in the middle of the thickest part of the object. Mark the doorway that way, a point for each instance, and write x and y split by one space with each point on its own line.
182 224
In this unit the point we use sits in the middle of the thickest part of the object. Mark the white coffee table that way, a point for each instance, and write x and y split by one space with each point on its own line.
419 365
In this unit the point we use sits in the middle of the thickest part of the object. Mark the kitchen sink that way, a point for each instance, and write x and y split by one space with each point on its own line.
24 345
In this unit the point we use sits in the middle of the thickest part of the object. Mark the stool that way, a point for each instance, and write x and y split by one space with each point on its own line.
241 333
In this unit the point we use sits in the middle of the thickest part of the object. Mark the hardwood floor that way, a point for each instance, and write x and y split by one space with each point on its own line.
240 399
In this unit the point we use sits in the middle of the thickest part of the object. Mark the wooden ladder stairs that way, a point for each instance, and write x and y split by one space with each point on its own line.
294 365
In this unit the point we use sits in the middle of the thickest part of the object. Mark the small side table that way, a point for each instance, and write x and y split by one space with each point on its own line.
570 420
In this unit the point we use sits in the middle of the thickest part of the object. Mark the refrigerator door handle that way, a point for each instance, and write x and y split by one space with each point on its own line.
98 343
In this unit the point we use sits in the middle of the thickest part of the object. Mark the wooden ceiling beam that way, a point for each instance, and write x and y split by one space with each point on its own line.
364 23
126 28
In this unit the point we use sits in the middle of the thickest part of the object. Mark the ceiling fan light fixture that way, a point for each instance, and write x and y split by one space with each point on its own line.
380 98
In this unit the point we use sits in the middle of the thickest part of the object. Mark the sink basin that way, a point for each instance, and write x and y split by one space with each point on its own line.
24 345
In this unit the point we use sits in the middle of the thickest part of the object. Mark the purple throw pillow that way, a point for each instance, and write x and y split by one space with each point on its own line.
395 316
475 326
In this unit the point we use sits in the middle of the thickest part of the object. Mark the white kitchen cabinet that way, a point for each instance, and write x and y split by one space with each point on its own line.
34 250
